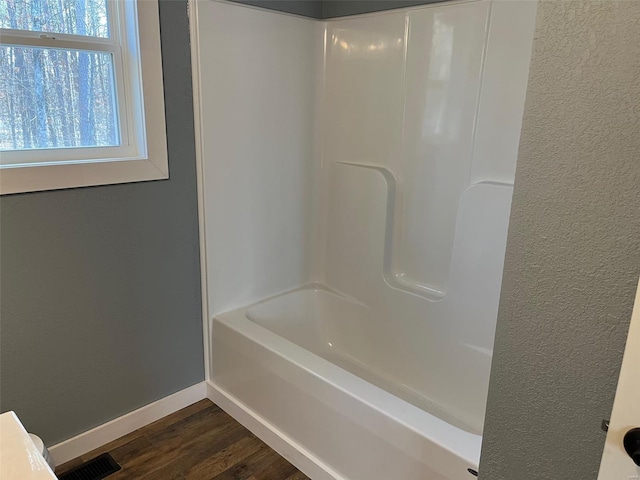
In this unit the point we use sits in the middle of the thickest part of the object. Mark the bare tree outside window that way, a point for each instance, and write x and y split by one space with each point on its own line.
56 98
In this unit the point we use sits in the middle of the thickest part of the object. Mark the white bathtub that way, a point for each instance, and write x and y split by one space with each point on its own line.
300 368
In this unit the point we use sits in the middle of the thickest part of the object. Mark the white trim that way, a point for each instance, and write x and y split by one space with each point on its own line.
293 452
28 38
118 427
197 113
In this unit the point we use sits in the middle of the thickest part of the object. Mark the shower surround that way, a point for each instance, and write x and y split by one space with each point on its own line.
355 183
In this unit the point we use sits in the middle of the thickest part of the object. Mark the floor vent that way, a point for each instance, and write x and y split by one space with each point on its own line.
96 469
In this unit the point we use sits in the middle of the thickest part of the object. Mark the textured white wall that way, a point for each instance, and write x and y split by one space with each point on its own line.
573 254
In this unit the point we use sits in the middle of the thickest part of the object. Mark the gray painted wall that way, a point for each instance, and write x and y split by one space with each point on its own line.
100 302
333 8
307 8
340 8
573 254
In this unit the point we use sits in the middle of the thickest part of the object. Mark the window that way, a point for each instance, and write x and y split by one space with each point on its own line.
81 94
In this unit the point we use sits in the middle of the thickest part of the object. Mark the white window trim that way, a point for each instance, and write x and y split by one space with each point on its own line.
145 156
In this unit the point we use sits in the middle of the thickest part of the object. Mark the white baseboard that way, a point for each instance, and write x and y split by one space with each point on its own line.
296 454
118 427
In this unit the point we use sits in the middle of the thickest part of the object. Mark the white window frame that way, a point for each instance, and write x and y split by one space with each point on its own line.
134 43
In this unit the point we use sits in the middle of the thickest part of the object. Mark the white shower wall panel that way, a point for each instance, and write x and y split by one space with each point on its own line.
440 352
259 77
418 189
363 106
424 93
503 90
403 92
443 73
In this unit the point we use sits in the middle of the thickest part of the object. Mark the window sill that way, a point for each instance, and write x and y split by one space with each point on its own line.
55 177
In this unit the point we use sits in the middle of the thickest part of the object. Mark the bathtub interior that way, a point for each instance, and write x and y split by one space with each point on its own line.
351 335
371 157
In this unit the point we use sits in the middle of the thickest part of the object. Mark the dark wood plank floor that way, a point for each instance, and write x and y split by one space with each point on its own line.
200 442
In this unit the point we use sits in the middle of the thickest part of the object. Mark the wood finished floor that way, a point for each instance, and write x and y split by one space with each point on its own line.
200 442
